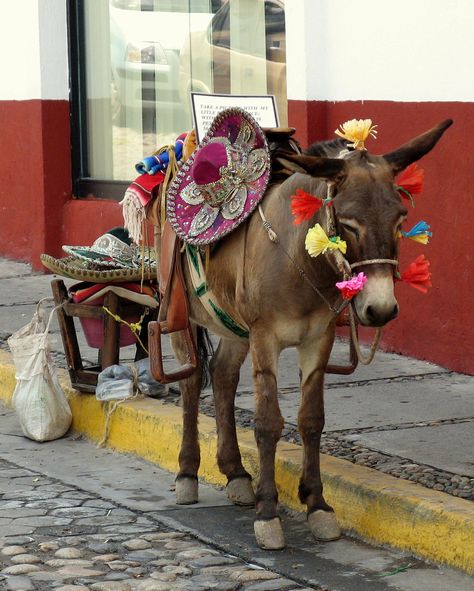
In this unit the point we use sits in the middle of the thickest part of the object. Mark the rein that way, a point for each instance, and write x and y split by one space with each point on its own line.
345 269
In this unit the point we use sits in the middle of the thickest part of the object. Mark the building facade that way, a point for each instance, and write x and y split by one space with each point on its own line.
89 87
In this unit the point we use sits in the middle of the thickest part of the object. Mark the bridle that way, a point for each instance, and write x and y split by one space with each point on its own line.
344 267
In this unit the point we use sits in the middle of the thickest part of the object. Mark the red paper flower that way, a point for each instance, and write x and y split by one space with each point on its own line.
410 182
304 206
417 274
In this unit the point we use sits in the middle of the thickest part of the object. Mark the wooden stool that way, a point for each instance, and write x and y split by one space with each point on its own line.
85 379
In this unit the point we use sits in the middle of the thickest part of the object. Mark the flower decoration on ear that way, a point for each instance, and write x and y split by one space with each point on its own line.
353 286
317 242
357 131
419 233
304 206
410 182
417 274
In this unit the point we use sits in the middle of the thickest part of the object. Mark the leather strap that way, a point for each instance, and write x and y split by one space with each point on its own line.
174 312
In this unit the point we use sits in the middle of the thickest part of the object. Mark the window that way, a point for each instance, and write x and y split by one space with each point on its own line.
135 62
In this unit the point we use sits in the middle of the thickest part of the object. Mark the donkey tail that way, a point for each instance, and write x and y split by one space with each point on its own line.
205 352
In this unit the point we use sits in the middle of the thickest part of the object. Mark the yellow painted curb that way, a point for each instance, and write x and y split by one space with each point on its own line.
376 506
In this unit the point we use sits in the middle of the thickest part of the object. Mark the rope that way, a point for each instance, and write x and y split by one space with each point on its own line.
135 327
272 235
374 262
113 405
355 340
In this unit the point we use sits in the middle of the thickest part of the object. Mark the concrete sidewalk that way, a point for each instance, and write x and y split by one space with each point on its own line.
400 417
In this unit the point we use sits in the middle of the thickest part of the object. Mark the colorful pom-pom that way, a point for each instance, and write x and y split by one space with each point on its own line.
410 182
417 274
419 233
317 242
353 286
304 206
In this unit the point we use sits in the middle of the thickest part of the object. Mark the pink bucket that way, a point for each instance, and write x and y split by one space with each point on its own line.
94 327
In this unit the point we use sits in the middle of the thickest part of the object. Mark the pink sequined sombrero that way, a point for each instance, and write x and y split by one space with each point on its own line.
222 182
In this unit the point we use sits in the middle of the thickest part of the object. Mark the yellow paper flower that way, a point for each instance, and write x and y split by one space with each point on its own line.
357 131
317 242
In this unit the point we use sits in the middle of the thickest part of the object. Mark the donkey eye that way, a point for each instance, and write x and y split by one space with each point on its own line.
351 230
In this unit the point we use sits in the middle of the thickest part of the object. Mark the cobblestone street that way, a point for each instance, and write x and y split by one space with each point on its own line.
57 536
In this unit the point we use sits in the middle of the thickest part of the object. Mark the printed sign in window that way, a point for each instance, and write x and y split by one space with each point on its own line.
206 106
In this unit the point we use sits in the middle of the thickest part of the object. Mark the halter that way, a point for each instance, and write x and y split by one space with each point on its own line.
344 267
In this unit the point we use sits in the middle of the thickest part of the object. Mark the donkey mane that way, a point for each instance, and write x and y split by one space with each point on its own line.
327 148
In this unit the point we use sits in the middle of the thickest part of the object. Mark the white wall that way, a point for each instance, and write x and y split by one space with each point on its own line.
403 50
33 50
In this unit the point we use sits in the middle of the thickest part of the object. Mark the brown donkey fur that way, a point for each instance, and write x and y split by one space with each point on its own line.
257 284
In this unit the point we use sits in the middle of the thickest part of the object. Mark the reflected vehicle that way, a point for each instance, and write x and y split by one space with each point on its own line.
207 55
146 38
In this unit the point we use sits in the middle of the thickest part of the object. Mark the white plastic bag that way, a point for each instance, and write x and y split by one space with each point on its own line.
39 401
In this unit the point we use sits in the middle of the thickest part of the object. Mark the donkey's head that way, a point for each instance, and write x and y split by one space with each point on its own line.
369 213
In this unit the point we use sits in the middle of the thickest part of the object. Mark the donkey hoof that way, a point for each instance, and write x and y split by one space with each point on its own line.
323 525
186 491
240 491
269 534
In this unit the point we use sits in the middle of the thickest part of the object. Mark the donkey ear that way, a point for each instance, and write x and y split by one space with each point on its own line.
417 147
327 168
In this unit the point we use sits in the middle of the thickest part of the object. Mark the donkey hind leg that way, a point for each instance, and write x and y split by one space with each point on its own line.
189 455
313 360
225 368
268 428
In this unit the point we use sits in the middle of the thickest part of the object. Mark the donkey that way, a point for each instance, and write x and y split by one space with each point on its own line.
283 300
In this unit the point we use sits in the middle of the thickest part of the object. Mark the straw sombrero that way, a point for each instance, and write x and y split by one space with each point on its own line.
112 258
222 182
75 268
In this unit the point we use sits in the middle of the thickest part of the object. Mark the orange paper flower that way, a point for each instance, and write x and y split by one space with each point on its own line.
304 206
417 274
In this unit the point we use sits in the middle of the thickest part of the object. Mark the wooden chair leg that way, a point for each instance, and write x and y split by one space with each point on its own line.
67 328
110 351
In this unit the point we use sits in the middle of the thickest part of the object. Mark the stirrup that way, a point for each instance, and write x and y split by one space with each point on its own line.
155 330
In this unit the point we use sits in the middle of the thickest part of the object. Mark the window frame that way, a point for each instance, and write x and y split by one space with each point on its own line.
83 185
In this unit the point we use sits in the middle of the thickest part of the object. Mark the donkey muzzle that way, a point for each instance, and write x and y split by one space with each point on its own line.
376 304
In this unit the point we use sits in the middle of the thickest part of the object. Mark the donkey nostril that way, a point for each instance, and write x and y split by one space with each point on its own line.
394 313
370 313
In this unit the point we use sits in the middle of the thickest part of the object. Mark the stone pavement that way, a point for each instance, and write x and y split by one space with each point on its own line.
77 517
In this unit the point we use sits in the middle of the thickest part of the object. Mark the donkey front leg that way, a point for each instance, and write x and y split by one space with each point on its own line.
313 359
268 428
189 455
225 369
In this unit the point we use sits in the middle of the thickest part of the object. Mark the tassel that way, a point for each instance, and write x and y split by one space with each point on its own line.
419 233
134 214
353 286
410 182
418 275
304 206
317 242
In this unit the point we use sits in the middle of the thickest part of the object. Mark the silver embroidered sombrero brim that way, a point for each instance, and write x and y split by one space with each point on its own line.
76 268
